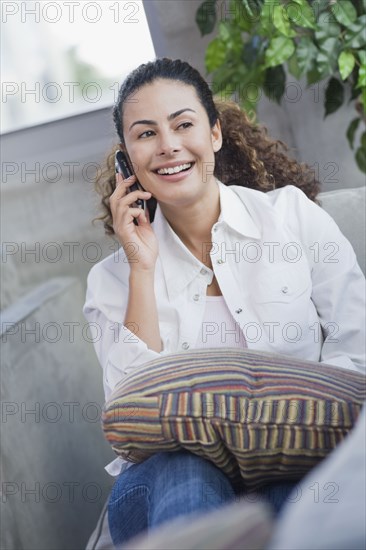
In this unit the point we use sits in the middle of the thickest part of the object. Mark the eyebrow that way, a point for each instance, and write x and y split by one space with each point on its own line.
170 117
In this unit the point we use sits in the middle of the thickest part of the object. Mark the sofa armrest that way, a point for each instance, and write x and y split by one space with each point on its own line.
53 447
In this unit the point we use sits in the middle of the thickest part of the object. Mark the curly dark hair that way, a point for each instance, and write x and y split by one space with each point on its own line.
248 156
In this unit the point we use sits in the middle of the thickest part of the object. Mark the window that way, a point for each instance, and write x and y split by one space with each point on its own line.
60 59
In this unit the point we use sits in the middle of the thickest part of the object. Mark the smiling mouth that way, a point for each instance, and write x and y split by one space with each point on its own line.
175 170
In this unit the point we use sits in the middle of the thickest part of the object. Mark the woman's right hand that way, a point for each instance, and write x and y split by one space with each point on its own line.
138 241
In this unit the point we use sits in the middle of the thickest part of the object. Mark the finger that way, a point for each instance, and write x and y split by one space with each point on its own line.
122 185
128 181
136 213
143 218
125 218
119 179
133 196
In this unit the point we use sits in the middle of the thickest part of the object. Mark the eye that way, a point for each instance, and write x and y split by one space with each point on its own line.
185 125
146 134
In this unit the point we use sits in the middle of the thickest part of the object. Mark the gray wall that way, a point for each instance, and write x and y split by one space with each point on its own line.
48 202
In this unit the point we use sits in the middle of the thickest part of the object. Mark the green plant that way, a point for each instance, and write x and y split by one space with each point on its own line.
258 42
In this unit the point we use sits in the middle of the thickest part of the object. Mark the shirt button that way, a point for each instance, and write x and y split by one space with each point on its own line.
284 289
185 345
220 261
239 310
203 271
196 297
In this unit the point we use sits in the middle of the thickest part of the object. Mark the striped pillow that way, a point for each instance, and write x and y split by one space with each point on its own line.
259 417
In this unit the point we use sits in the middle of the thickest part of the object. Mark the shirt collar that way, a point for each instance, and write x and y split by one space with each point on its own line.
179 265
235 212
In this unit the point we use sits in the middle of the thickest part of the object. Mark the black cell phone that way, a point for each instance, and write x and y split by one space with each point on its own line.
123 167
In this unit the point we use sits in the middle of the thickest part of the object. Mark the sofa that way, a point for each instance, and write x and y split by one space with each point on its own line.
54 486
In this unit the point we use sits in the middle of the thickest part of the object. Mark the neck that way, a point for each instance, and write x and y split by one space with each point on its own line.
193 223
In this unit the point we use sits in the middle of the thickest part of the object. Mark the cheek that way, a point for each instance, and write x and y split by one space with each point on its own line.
140 162
202 143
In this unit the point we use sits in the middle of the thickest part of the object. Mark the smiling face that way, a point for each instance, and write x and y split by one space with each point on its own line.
170 143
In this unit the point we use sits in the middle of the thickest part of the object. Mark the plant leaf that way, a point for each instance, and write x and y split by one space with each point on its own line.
327 30
222 79
361 158
293 67
361 73
346 63
279 50
334 96
362 55
351 131
248 8
319 6
361 83
206 17
266 17
327 58
306 53
215 54
282 22
363 140
252 50
313 76
274 83
300 13
224 31
362 98
243 21
355 36
344 12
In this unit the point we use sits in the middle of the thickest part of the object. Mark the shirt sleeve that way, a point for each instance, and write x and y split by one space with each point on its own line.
118 349
338 284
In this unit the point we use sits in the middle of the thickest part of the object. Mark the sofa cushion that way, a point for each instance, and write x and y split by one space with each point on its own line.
259 417
348 209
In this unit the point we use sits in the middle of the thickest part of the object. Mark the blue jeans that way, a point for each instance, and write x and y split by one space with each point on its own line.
168 485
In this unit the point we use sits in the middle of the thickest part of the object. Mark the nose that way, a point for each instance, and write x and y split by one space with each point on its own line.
169 143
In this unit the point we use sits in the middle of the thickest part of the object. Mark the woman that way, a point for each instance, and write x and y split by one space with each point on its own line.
222 264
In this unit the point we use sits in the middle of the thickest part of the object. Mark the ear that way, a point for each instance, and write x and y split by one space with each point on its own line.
216 136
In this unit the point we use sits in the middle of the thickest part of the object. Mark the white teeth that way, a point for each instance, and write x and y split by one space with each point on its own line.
174 170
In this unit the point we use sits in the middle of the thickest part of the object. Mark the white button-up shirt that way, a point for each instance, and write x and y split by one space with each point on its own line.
289 277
